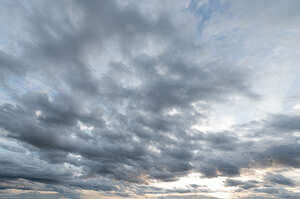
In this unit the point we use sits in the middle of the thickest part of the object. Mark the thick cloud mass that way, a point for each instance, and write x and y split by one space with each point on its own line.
117 97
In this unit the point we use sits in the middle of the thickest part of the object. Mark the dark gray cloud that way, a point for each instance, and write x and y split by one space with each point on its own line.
279 179
284 123
286 154
104 96
242 184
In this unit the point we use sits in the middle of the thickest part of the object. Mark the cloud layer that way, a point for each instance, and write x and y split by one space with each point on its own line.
127 98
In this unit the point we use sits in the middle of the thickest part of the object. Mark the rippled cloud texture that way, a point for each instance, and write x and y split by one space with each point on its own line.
159 99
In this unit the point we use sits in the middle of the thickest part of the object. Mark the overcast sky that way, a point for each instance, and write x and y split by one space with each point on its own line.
156 99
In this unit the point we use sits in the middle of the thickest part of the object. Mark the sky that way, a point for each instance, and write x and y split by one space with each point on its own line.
160 99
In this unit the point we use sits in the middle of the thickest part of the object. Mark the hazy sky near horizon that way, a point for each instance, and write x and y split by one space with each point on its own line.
158 99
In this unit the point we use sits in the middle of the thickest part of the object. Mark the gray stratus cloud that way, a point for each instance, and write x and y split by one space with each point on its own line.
278 154
242 184
279 179
60 43
116 122
282 123
104 96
